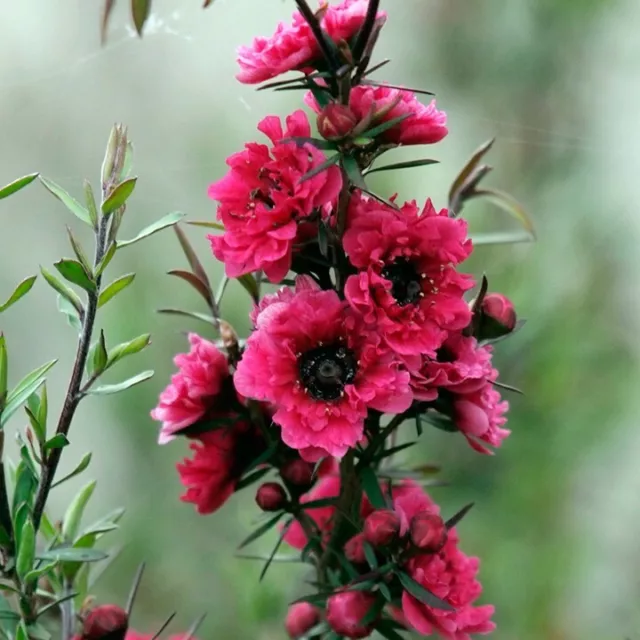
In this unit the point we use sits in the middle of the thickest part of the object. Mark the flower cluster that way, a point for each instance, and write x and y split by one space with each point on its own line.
372 319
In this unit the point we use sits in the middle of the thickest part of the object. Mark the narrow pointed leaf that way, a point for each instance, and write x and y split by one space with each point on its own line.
403 165
140 10
385 126
73 554
203 317
115 288
164 625
108 389
4 370
195 282
350 165
82 465
67 200
250 285
501 237
134 588
167 221
79 251
119 196
260 531
19 292
192 258
193 629
73 515
59 441
206 225
104 22
89 198
421 594
453 521
74 272
323 166
16 185
68 294
71 313
106 259
267 564
128 348
468 169
26 549
507 203
371 487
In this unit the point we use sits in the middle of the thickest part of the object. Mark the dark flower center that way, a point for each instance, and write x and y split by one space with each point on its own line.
326 370
405 281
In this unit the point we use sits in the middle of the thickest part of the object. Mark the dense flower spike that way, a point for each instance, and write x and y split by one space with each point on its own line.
220 458
420 124
194 391
407 287
264 206
294 46
318 364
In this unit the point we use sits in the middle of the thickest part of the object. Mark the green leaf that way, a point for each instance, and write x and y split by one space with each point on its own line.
195 264
19 292
197 283
73 554
251 478
352 169
74 272
387 631
421 594
106 259
91 204
18 396
318 143
320 503
4 370
98 355
36 631
26 549
73 515
385 126
371 487
261 530
501 237
68 294
68 201
267 564
56 603
128 348
507 203
71 313
203 317
82 465
403 165
207 225
370 555
25 487
59 441
119 196
80 254
455 519
250 285
16 185
21 631
468 169
115 288
323 166
107 389
140 12
167 221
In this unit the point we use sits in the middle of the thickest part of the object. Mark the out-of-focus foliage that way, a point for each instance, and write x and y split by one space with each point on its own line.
556 83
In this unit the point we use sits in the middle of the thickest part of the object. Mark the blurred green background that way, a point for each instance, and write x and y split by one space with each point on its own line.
556 81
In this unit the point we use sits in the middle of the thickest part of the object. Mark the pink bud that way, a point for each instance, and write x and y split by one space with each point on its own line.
107 621
271 496
428 532
301 617
347 609
381 528
354 549
499 316
336 121
298 472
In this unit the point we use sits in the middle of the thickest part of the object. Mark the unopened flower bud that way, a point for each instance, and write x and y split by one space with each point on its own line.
498 316
381 528
301 617
336 121
106 622
428 532
271 496
297 472
347 609
354 549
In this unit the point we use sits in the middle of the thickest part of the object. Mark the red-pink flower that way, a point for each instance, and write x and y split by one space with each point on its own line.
194 391
464 376
294 46
220 457
301 617
347 609
264 207
407 288
425 124
314 360
449 574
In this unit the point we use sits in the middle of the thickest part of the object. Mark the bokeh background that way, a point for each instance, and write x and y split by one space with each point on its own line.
557 509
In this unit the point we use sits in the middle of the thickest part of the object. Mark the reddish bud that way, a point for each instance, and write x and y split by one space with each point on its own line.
428 532
381 528
354 549
347 609
271 496
106 622
301 617
336 121
298 472
498 316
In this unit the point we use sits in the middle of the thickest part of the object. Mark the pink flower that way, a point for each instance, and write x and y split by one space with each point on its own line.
301 617
407 288
425 125
220 458
194 391
449 574
498 316
463 375
294 46
312 358
347 609
264 207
